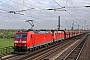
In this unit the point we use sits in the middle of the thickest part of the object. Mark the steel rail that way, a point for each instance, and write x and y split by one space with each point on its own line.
75 48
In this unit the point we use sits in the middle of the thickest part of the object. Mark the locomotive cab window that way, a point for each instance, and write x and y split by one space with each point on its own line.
21 36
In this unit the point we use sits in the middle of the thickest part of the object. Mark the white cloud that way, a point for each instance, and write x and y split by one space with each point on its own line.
43 18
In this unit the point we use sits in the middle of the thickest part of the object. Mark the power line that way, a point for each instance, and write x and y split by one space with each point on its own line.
6 10
41 3
40 18
5 4
67 11
27 6
57 3
38 7
75 8
13 17
73 16
32 4
66 3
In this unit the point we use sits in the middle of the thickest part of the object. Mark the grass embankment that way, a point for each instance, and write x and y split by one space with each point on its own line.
6 42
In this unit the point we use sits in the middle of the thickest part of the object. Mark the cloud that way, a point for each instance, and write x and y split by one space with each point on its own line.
43 18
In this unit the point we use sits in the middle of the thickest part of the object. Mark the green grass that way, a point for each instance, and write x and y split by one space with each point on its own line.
6 42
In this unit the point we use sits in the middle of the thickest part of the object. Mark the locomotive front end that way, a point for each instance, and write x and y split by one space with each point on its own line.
20 42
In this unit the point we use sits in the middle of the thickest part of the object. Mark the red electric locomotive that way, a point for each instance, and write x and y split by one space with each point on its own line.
24 41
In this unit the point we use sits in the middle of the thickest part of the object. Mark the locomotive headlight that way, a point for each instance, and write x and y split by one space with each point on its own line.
15 44
25 45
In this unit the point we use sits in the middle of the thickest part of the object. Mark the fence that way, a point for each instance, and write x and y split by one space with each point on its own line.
6 50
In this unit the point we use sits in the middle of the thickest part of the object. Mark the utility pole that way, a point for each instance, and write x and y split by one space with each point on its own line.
58 22
72 26
78 26
85 24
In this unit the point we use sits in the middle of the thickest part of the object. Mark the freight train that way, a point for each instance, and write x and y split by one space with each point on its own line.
27 41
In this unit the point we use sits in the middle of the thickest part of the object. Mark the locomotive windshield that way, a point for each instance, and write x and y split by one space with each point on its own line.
21 35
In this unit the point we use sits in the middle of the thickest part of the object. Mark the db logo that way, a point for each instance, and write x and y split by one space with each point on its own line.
20 41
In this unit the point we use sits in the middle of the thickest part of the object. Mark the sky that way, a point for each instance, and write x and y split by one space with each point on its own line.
43 18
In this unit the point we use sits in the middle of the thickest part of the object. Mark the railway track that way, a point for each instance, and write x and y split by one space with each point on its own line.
60 54
44 52
47 52
85 55
41 55
75 53
37 53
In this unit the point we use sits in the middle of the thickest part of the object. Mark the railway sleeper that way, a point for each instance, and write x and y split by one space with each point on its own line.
77 50
75 54
72 57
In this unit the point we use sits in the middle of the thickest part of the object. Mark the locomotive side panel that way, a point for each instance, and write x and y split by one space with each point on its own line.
40 39
29 40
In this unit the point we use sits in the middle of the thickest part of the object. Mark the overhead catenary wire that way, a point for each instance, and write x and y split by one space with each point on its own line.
45 6
66 3
57 3
5 4
41 3
33 16
36 17
28 16
29 4
76 9
67 11
54 0
40 8
12 17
